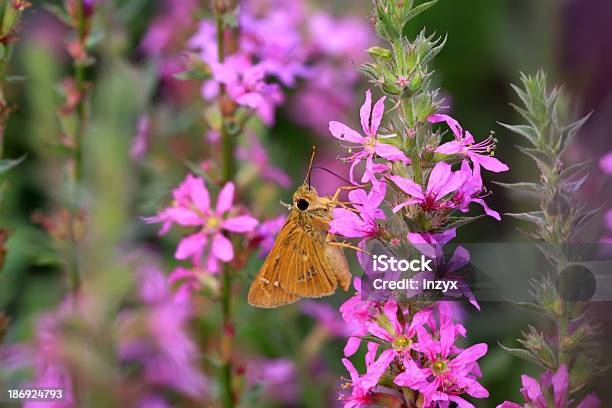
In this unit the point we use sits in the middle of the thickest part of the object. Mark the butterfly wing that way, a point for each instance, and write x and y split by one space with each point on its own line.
265 290
307 270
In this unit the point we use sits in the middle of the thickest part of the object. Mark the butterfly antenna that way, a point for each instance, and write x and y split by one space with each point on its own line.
332 173
307 178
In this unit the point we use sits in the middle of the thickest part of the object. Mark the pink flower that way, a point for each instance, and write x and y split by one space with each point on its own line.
358 313
442 181
245 84
191 208
278 378
445 372
265 234
431 243
605 163
362 385
328 317
480 153
367 146
364 224
471 190
257 155
535 394
401 337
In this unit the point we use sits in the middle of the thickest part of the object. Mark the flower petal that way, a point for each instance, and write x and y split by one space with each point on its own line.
364 112
489 162
408 186
452 123
240 224
343 132
226 198
222 248
190 245
377 114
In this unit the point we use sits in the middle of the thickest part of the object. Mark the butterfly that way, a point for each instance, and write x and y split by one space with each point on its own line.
303 262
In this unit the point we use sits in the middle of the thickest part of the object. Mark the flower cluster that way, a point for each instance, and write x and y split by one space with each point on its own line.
208 246
417 351
277 44
413 182
151 337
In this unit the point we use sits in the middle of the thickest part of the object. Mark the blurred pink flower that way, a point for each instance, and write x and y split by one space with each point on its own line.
536 395
605 163
327 316
265 234
370 146
191 208
257 155
278 377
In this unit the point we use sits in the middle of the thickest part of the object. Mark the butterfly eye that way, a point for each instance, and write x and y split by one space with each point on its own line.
302 204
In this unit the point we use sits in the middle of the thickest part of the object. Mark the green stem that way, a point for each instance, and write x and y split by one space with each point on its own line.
81 116
227 169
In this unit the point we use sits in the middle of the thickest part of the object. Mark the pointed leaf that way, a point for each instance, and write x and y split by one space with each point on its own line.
7 164
523 354
528 132
531 189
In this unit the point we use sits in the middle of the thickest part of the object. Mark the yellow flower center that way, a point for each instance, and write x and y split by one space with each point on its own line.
402 343
213 222
439 367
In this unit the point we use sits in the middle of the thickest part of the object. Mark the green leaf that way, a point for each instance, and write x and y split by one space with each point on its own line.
544 162
529 132
380 52
531 189
523 355
531 307
419 9
7 164
536 217
456 222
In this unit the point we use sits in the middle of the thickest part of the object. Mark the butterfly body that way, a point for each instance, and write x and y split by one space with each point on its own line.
303 261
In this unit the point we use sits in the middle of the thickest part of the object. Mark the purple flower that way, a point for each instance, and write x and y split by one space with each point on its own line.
431 243
328 317
535 395
362 385
445 372
265 234
192 208
358 313
400 336
471 190
605 163
442 181
367 146
481 154
364 223
278 378
245 84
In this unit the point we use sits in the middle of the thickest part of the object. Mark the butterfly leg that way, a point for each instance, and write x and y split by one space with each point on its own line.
347 245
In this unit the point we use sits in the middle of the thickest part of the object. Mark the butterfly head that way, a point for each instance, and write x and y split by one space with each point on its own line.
306 198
